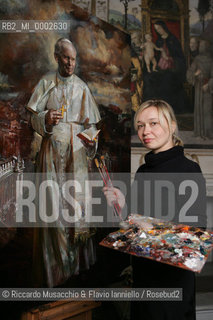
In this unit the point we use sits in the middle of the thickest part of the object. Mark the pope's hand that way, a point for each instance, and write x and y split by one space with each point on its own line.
114 195
53 117
88 144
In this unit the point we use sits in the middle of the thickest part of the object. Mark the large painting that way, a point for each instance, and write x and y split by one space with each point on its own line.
103 62
175 50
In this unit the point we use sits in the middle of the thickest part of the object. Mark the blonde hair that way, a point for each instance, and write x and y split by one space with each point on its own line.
164 111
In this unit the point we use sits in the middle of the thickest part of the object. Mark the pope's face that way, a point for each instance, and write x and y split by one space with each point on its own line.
154 135
66 61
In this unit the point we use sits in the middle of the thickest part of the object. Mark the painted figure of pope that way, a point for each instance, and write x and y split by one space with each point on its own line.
62 106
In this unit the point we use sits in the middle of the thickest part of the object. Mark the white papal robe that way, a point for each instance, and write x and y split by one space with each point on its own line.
56 250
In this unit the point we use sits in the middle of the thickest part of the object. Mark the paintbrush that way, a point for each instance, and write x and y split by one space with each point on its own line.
108 183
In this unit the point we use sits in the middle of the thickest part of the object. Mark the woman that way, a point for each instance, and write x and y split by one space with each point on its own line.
167 84
157 129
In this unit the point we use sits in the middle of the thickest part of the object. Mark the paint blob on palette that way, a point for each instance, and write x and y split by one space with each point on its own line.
179 245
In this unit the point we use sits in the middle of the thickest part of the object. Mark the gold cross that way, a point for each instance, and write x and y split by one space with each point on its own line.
63 109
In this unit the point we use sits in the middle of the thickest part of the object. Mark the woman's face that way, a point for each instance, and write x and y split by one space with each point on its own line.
153 134
159 29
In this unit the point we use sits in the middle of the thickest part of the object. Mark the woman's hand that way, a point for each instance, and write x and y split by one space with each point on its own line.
114 195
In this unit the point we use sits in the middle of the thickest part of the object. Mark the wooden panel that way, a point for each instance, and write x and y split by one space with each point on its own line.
61 310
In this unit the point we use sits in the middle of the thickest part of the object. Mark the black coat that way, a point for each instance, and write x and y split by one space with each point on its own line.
188 187
151 274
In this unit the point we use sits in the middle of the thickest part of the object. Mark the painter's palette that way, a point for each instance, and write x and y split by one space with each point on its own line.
175 244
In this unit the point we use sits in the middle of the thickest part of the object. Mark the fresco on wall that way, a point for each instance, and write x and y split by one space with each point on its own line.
99 8
164 77
117 14
199 73
83 4
199 23
176 64
169 76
